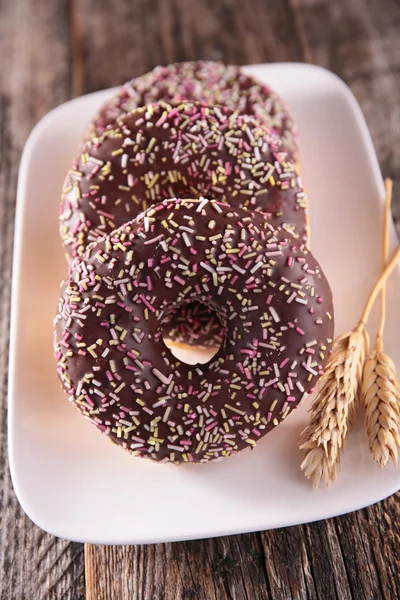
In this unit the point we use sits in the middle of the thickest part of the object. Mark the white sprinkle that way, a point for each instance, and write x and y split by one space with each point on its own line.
274 314
203 202
161 377
256 267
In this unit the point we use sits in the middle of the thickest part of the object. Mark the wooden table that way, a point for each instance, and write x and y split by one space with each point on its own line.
51 50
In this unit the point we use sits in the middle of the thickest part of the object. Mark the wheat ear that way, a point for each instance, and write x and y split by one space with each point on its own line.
333 411
380 388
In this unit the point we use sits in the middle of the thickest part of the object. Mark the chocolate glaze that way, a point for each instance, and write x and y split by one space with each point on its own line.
203 81
269 292
189 150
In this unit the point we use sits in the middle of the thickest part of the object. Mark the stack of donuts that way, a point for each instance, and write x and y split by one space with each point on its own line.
184 220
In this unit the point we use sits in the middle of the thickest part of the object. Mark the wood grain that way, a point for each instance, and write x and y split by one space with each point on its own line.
34 77
53 49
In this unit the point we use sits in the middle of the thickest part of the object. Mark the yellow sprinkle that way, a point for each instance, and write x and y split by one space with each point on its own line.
251 442
153 181
233 409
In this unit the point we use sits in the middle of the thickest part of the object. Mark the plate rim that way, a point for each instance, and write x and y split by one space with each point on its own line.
16 283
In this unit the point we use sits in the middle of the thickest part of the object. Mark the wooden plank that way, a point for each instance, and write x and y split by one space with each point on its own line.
34 77
361 45
147 33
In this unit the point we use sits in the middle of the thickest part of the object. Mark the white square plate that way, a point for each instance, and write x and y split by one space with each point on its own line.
72 481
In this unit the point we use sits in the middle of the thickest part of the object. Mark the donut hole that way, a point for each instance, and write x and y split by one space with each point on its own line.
193 332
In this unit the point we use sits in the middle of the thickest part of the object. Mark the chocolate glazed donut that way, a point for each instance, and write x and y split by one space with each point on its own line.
188 150
268 291
207 82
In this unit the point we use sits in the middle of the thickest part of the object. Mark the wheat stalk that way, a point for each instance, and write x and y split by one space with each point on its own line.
380 388
333 411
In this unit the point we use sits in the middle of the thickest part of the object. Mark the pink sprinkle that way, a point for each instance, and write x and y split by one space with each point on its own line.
291 399
283 363
161 120
290 261
108 215
257 433
178 280
147 303
211 426
172 113
299 331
